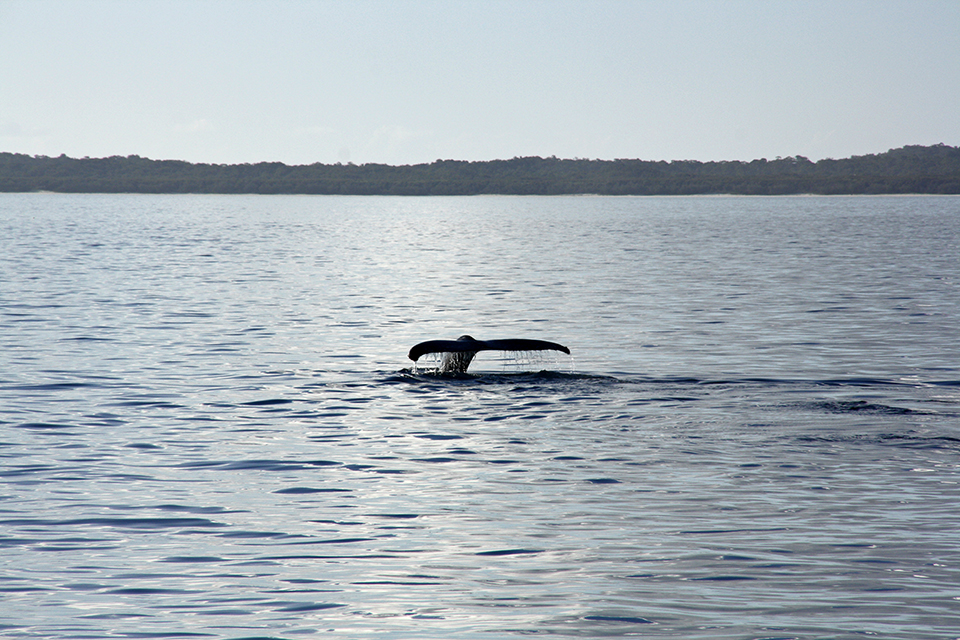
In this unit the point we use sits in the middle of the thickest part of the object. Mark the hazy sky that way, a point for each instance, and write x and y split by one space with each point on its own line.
402 82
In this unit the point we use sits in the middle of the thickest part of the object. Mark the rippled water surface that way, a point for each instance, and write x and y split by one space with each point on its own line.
209 427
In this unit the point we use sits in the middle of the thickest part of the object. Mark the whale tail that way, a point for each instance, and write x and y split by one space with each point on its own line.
459 353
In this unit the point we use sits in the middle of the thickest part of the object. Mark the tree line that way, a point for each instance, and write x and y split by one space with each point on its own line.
911 169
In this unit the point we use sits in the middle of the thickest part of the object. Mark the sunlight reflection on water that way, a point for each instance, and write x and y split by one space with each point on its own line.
210 425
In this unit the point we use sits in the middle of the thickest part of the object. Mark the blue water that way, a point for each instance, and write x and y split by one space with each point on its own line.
209 427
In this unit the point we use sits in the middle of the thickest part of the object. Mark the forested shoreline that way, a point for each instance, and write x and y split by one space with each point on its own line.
911 169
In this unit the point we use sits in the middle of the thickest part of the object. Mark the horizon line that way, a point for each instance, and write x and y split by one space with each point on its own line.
440 160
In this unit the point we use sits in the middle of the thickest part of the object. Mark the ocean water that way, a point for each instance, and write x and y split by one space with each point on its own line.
209 427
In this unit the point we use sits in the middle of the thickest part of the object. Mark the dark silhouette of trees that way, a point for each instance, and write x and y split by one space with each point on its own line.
912 169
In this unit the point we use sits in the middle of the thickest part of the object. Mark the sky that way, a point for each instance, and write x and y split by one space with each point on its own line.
413 81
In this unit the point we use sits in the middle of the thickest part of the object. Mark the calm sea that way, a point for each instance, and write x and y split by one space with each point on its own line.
209 427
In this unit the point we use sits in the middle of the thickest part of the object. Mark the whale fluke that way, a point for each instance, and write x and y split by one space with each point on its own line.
460 352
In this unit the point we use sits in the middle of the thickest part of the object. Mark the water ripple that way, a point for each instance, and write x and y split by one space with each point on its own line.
208 426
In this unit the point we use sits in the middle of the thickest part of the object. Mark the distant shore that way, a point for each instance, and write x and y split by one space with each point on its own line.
931 170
